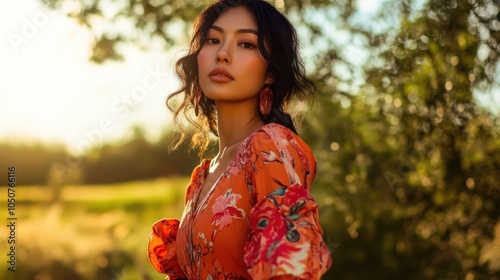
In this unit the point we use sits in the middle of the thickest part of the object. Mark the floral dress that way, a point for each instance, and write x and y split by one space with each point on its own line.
258 221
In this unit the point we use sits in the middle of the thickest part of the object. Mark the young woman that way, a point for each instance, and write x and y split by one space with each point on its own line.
248 211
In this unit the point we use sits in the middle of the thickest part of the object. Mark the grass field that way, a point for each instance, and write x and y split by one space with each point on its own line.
88 232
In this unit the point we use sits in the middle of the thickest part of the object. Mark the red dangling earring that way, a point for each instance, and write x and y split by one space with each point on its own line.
196 97
265 101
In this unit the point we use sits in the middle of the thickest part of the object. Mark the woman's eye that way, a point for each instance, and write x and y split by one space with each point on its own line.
247 45
212 41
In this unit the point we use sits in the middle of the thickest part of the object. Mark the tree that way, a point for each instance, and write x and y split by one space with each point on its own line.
416 129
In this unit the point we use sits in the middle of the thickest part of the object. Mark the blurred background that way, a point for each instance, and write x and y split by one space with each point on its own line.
405 128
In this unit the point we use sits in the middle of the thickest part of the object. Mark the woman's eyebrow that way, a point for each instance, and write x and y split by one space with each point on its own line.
245 30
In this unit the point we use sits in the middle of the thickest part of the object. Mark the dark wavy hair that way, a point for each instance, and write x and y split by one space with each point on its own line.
285 64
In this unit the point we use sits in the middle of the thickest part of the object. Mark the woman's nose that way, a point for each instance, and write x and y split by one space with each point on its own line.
223 54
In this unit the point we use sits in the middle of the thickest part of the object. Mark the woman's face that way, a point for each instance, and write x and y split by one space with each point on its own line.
230 65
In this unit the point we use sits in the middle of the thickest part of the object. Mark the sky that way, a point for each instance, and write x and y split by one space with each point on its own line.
51 92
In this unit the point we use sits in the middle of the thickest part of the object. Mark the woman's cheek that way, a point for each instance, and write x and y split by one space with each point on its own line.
202 59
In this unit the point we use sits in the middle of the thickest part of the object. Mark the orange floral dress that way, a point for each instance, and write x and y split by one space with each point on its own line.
258 221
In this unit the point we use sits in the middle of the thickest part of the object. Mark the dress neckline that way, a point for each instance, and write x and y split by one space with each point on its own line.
206 164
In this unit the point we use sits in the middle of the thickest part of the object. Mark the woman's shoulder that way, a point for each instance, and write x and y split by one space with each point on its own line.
201 167
279 136
277 141
199 171
197 177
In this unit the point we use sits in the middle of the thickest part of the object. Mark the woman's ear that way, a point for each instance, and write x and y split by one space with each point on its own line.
269 78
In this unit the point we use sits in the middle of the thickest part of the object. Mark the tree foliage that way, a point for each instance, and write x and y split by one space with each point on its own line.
139 22
129 160
137 159
32 161
415 146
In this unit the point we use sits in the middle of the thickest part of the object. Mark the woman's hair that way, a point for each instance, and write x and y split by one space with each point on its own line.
285 65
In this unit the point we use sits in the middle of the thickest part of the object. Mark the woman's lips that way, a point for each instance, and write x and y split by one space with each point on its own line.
220 75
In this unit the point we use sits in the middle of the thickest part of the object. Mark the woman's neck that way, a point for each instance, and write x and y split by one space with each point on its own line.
235 122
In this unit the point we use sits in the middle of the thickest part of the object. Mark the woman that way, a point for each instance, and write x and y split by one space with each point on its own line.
248 211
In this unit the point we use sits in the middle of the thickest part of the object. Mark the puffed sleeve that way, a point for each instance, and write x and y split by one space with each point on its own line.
162 248
285 239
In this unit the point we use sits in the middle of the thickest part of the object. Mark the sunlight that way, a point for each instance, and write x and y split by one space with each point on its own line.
49 91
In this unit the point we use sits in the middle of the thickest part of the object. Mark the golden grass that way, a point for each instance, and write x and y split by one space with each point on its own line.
139 191
92 231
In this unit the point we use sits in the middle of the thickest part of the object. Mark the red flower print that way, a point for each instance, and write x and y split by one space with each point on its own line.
224 209
268 250
269 227
294 194
289 257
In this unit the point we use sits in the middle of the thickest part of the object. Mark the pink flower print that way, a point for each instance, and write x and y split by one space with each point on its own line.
237 164
224 209
269 156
